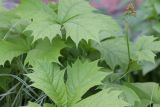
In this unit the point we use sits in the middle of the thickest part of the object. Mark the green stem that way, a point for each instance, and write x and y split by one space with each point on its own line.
128 48
129 55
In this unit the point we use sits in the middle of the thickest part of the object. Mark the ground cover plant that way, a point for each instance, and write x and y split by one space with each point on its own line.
70 55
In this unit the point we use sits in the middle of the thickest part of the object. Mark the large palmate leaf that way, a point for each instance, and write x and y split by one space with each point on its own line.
90 26
50 79
114 52
105 98
76 16
81 22
145 48
44 50
69 9
11 49
81 77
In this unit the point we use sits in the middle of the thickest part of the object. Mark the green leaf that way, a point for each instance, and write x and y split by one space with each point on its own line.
48 105
76 16
12 39
129 95
42 19
146 55
156 27
148 66
147 91
145 48
81 77
8 23
157 6
35 8
81 22
90 26
114 52
49 78
11 49
148 43
68 9
143 103
31 104
156 105
105 98
44 50
44 28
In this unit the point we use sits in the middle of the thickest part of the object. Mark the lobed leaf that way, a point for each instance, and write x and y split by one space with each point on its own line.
50 79
76 16
81 77
44 50
114 52
105 98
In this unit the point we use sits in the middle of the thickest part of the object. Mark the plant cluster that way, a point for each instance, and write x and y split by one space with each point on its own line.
70 55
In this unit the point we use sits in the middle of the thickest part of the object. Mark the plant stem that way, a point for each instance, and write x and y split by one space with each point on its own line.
128 48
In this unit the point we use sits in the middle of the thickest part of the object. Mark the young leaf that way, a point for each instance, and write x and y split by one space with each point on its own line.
114 51
105 98
44 50
145 48
50 79
81 77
